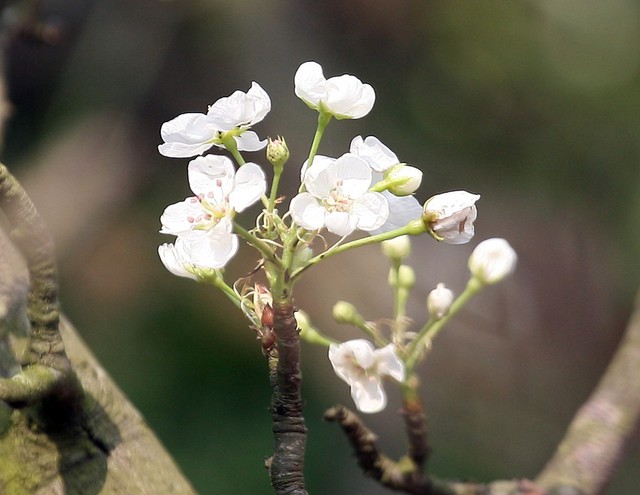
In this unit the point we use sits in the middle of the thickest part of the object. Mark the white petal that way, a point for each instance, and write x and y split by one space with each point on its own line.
307 212
348 97
368 395
250 185
310 83
446 204
180 217
240 108
371 211
389 363
209 173
340 222
353 173
211 249
402 210
249 141
376 154
320 162
173 262
186 135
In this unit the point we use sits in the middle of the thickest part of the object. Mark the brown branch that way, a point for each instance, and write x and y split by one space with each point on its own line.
598 434
289 429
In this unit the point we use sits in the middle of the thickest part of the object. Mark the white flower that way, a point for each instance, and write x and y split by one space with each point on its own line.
492 260
345 97
203 222
192 134
337 197
439 301
450 216
363 368
402 209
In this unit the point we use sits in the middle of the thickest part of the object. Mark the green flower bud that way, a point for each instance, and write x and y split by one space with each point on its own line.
396 248
344 312
277 152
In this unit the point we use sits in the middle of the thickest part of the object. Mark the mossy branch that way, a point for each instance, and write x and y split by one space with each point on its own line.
47 369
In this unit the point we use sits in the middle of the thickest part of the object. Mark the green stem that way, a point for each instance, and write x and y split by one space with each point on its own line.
323 120
277 173
232 147
415 227
265 249
433 327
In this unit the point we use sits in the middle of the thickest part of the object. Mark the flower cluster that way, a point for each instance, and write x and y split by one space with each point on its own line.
366 189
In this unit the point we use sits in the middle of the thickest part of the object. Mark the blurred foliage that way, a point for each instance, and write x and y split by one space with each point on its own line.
535 103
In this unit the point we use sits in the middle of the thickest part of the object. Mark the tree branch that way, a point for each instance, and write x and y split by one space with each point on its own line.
289 429
598 434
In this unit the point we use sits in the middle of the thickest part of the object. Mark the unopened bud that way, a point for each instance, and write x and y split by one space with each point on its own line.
277 152
344 312
492 260
396 248
439 301
403 179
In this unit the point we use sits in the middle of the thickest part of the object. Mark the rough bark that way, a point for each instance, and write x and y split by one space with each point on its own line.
109 451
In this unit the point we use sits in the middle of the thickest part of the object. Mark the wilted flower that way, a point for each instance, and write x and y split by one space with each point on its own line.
439 301
492 260
345 97
192 134
337 197
450 216
363 367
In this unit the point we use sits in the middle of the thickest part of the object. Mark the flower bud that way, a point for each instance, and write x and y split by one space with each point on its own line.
439 301
449 216
492 260
403 179
277 152
344 312
396 248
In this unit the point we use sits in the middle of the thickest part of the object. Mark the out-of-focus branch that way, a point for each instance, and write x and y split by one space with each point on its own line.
401 476
597 436
47 375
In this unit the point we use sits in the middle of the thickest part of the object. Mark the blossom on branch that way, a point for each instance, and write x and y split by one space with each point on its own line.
402 209
192 134
363 367
450 216
203 223
344 97
337 197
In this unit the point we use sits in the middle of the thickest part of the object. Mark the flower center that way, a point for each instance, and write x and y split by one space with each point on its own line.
337 201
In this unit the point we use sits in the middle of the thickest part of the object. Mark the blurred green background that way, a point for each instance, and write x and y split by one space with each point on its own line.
535 104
